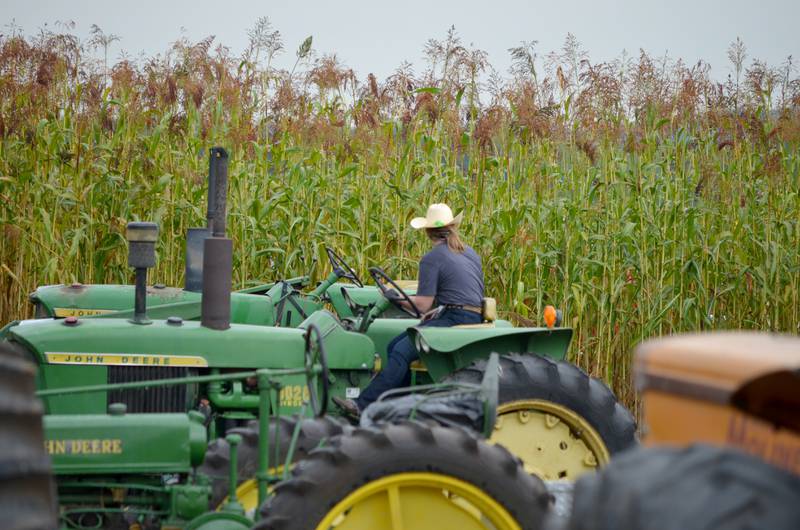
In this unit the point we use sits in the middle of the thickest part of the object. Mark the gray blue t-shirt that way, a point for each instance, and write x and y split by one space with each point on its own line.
451 277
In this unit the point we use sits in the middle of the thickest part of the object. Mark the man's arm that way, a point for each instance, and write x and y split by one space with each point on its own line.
428 284
423 303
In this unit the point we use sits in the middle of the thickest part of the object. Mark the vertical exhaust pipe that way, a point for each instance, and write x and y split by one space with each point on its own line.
211 201
193 277
217 249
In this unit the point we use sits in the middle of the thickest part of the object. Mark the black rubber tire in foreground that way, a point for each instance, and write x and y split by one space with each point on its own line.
27 493
533 376
313 432
331 473
696 488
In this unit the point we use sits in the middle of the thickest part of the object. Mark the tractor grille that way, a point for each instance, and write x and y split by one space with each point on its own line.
156 399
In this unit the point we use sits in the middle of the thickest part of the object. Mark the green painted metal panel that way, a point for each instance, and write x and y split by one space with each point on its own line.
88 299
65 376
294 392
345 349
383 330
128 443
444 350
251 309
188 310
348 384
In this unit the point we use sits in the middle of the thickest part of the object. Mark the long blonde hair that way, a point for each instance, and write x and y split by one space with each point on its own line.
448 234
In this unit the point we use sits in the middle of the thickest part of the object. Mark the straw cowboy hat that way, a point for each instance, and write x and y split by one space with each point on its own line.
438 216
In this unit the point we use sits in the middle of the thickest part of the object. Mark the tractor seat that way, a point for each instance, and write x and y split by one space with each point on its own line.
488 313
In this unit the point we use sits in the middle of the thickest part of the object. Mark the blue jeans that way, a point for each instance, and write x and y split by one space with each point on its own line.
401 353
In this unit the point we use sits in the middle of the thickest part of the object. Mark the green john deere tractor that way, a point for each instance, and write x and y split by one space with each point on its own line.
122 471
283 303
556 418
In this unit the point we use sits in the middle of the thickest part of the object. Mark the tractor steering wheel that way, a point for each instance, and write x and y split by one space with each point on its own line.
341 268
398 295
315 355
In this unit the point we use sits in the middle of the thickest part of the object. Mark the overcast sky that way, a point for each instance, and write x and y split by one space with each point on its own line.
375 36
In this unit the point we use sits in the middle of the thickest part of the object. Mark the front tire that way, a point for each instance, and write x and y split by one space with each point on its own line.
407 475
27 492
313 432
560 421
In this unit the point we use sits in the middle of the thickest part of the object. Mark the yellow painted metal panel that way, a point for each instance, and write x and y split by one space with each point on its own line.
124 359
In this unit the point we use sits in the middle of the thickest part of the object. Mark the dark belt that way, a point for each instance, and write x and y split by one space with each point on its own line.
470 308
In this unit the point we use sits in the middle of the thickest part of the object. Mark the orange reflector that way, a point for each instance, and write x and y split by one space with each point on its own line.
550 316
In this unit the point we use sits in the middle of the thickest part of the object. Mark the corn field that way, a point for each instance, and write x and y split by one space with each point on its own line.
640 196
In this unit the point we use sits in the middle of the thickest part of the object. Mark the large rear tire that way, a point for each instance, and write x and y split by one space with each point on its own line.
407 475
27 493
560 421
313 432
696 488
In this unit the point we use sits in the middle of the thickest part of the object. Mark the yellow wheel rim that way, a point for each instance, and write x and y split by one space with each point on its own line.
418 501
553 442
247 493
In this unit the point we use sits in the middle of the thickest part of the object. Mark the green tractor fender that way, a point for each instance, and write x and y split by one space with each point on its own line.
445 350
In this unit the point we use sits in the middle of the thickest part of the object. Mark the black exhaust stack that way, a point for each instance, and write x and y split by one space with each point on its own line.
217 249
195 236
142 239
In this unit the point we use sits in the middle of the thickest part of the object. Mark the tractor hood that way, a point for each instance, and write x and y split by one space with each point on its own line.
87 300
114 341
90 300
116 301
445 349
99 351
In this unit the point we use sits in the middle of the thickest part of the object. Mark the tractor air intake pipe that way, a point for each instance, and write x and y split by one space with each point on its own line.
141 256
195 238
217 250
